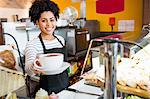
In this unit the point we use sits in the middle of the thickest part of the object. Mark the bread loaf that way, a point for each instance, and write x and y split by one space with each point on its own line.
7 59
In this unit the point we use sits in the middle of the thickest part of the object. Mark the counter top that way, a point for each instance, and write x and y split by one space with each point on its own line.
108 33
66 27
65 94
35 28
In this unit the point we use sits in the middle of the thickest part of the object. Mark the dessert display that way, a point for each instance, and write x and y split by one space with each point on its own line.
133 77
133 74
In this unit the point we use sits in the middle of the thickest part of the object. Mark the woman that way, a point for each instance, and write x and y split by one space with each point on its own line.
44 13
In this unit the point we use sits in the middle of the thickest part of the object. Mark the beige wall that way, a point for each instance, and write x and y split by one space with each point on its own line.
15 3
9 12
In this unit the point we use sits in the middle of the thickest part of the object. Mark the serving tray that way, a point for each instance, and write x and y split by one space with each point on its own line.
120 88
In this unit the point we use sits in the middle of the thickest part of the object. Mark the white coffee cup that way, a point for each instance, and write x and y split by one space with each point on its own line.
49 62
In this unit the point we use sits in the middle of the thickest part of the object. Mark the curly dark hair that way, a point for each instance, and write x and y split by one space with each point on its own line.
39 6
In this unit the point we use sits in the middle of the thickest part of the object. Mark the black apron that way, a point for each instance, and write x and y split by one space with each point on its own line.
57 82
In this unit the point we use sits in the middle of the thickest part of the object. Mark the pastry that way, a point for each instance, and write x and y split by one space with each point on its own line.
7 59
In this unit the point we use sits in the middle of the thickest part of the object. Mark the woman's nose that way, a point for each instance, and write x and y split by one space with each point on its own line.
49 24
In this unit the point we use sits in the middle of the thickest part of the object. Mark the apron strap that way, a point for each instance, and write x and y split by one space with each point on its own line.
58 40
44 48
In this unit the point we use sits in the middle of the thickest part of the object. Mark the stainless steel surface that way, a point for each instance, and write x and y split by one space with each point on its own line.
110 53
78 91
146 27
110 57
143 41
76 39
93 26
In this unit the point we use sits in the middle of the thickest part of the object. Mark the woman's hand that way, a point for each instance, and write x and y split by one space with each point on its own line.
53 96
37 70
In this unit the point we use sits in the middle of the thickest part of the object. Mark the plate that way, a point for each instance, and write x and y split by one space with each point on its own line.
64 66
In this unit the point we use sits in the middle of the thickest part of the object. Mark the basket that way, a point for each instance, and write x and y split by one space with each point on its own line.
10 80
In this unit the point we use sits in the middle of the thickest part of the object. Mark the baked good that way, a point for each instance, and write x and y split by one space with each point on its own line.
7 59
130 72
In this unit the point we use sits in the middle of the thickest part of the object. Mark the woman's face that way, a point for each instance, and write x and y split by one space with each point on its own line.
47 23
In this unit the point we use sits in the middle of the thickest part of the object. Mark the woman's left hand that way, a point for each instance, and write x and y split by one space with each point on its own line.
38 71
37 67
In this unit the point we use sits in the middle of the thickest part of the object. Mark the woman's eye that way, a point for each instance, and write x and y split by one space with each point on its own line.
52 20
43 20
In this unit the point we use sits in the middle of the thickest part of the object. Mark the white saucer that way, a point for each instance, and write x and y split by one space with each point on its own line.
64 66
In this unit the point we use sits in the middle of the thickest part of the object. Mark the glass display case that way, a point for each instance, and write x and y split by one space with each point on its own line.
118 74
